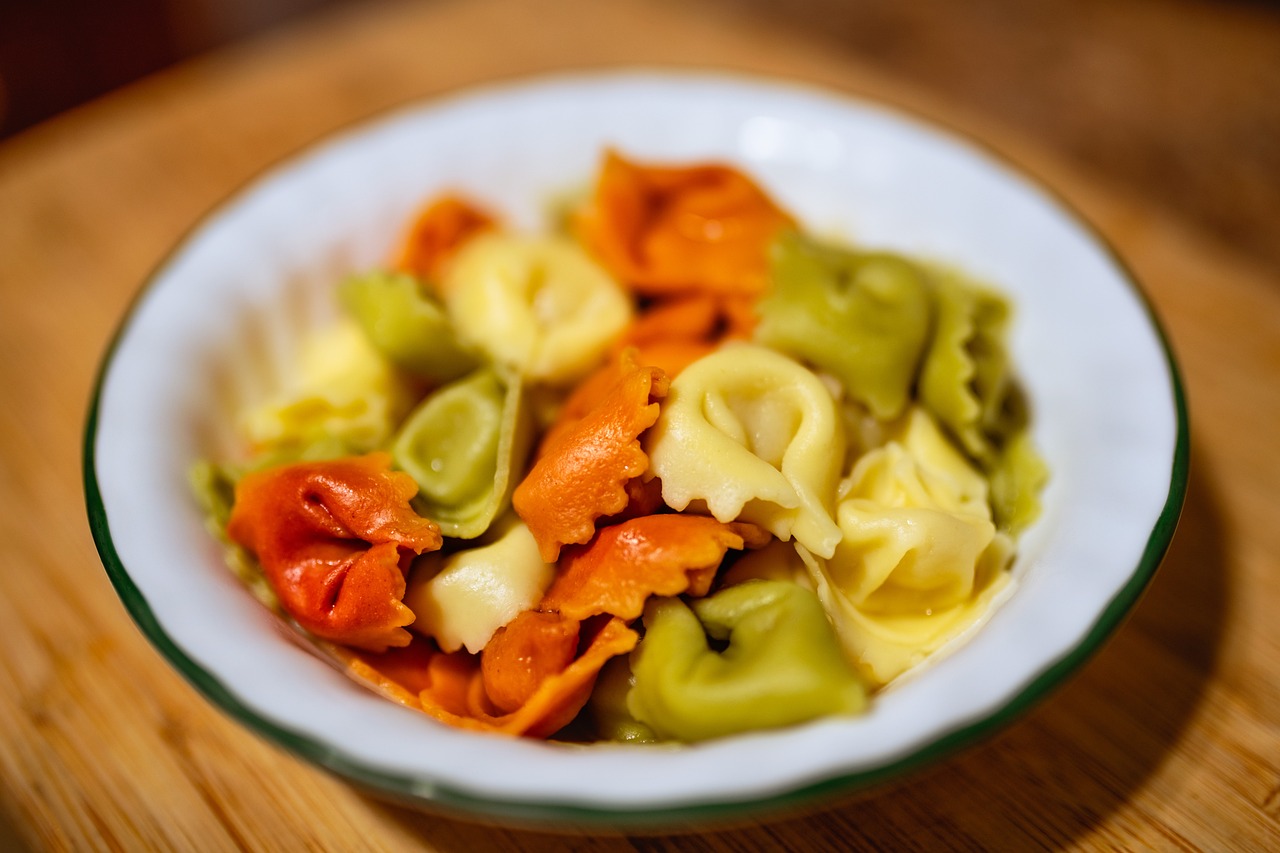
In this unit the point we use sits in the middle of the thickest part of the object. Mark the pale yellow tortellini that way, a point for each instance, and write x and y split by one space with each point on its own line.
920 559
462 599
342 389
536 305
752 435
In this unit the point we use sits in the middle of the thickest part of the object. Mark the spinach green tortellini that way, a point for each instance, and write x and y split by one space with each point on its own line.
782 664
465 446
966 380
407 326
864 317
607 709
1017 477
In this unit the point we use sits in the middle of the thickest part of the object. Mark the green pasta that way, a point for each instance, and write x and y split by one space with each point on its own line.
1017 478
864 317
407 326
966 378
465 446
782 663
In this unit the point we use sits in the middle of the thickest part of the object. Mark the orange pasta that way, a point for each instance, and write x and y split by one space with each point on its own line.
656 555
334 539
438 232
681 230
554 703
530 649
582 474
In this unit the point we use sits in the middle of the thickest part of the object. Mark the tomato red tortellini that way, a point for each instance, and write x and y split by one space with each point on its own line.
334 539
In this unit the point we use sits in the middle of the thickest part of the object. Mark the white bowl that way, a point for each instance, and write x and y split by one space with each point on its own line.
212 327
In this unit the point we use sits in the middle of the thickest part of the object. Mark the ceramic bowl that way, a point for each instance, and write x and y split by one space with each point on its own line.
214 326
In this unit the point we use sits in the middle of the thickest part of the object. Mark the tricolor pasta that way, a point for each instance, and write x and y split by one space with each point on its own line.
674 470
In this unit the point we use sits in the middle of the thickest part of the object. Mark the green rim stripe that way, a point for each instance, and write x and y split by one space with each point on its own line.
421 791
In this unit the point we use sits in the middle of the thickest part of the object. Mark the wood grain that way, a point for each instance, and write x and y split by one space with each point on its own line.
1169 738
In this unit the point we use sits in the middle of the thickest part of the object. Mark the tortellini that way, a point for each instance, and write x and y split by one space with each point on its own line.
463 598
863 317
342 390
800 465
465 446
966 379
920 556
1017 477
753 436
537 305
781 664
406 325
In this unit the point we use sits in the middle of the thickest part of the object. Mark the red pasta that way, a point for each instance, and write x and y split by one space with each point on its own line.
334 539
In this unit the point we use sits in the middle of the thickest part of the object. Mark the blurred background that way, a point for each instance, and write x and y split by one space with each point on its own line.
1178 100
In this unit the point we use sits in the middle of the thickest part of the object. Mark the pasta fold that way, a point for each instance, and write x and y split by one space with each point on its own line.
678 230
584 473
863 317
333 539
781 664
466 446
538 306
755 437
661 555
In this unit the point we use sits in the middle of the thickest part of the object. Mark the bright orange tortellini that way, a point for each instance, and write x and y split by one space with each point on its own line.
556 697
437 233
661 555
679 230
674 333
526 652
582 474
334 539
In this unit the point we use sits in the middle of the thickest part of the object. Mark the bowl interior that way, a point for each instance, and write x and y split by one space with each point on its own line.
215 327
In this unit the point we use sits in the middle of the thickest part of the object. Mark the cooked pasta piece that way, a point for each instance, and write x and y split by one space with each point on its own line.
407 326
584 474
333 539
536 305
465 446
781 663
342 389
753 436
656 555
864 317
920 557
462 598
677 230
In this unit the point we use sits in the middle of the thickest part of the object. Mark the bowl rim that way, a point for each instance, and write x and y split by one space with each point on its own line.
435 794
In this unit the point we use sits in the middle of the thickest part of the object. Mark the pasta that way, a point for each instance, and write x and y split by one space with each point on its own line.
863 317
538 306
678 472
755 436
465 445
919 551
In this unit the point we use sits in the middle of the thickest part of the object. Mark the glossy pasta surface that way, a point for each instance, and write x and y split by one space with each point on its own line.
676 471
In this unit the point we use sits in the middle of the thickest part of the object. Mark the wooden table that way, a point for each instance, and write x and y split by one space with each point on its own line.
1170 737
